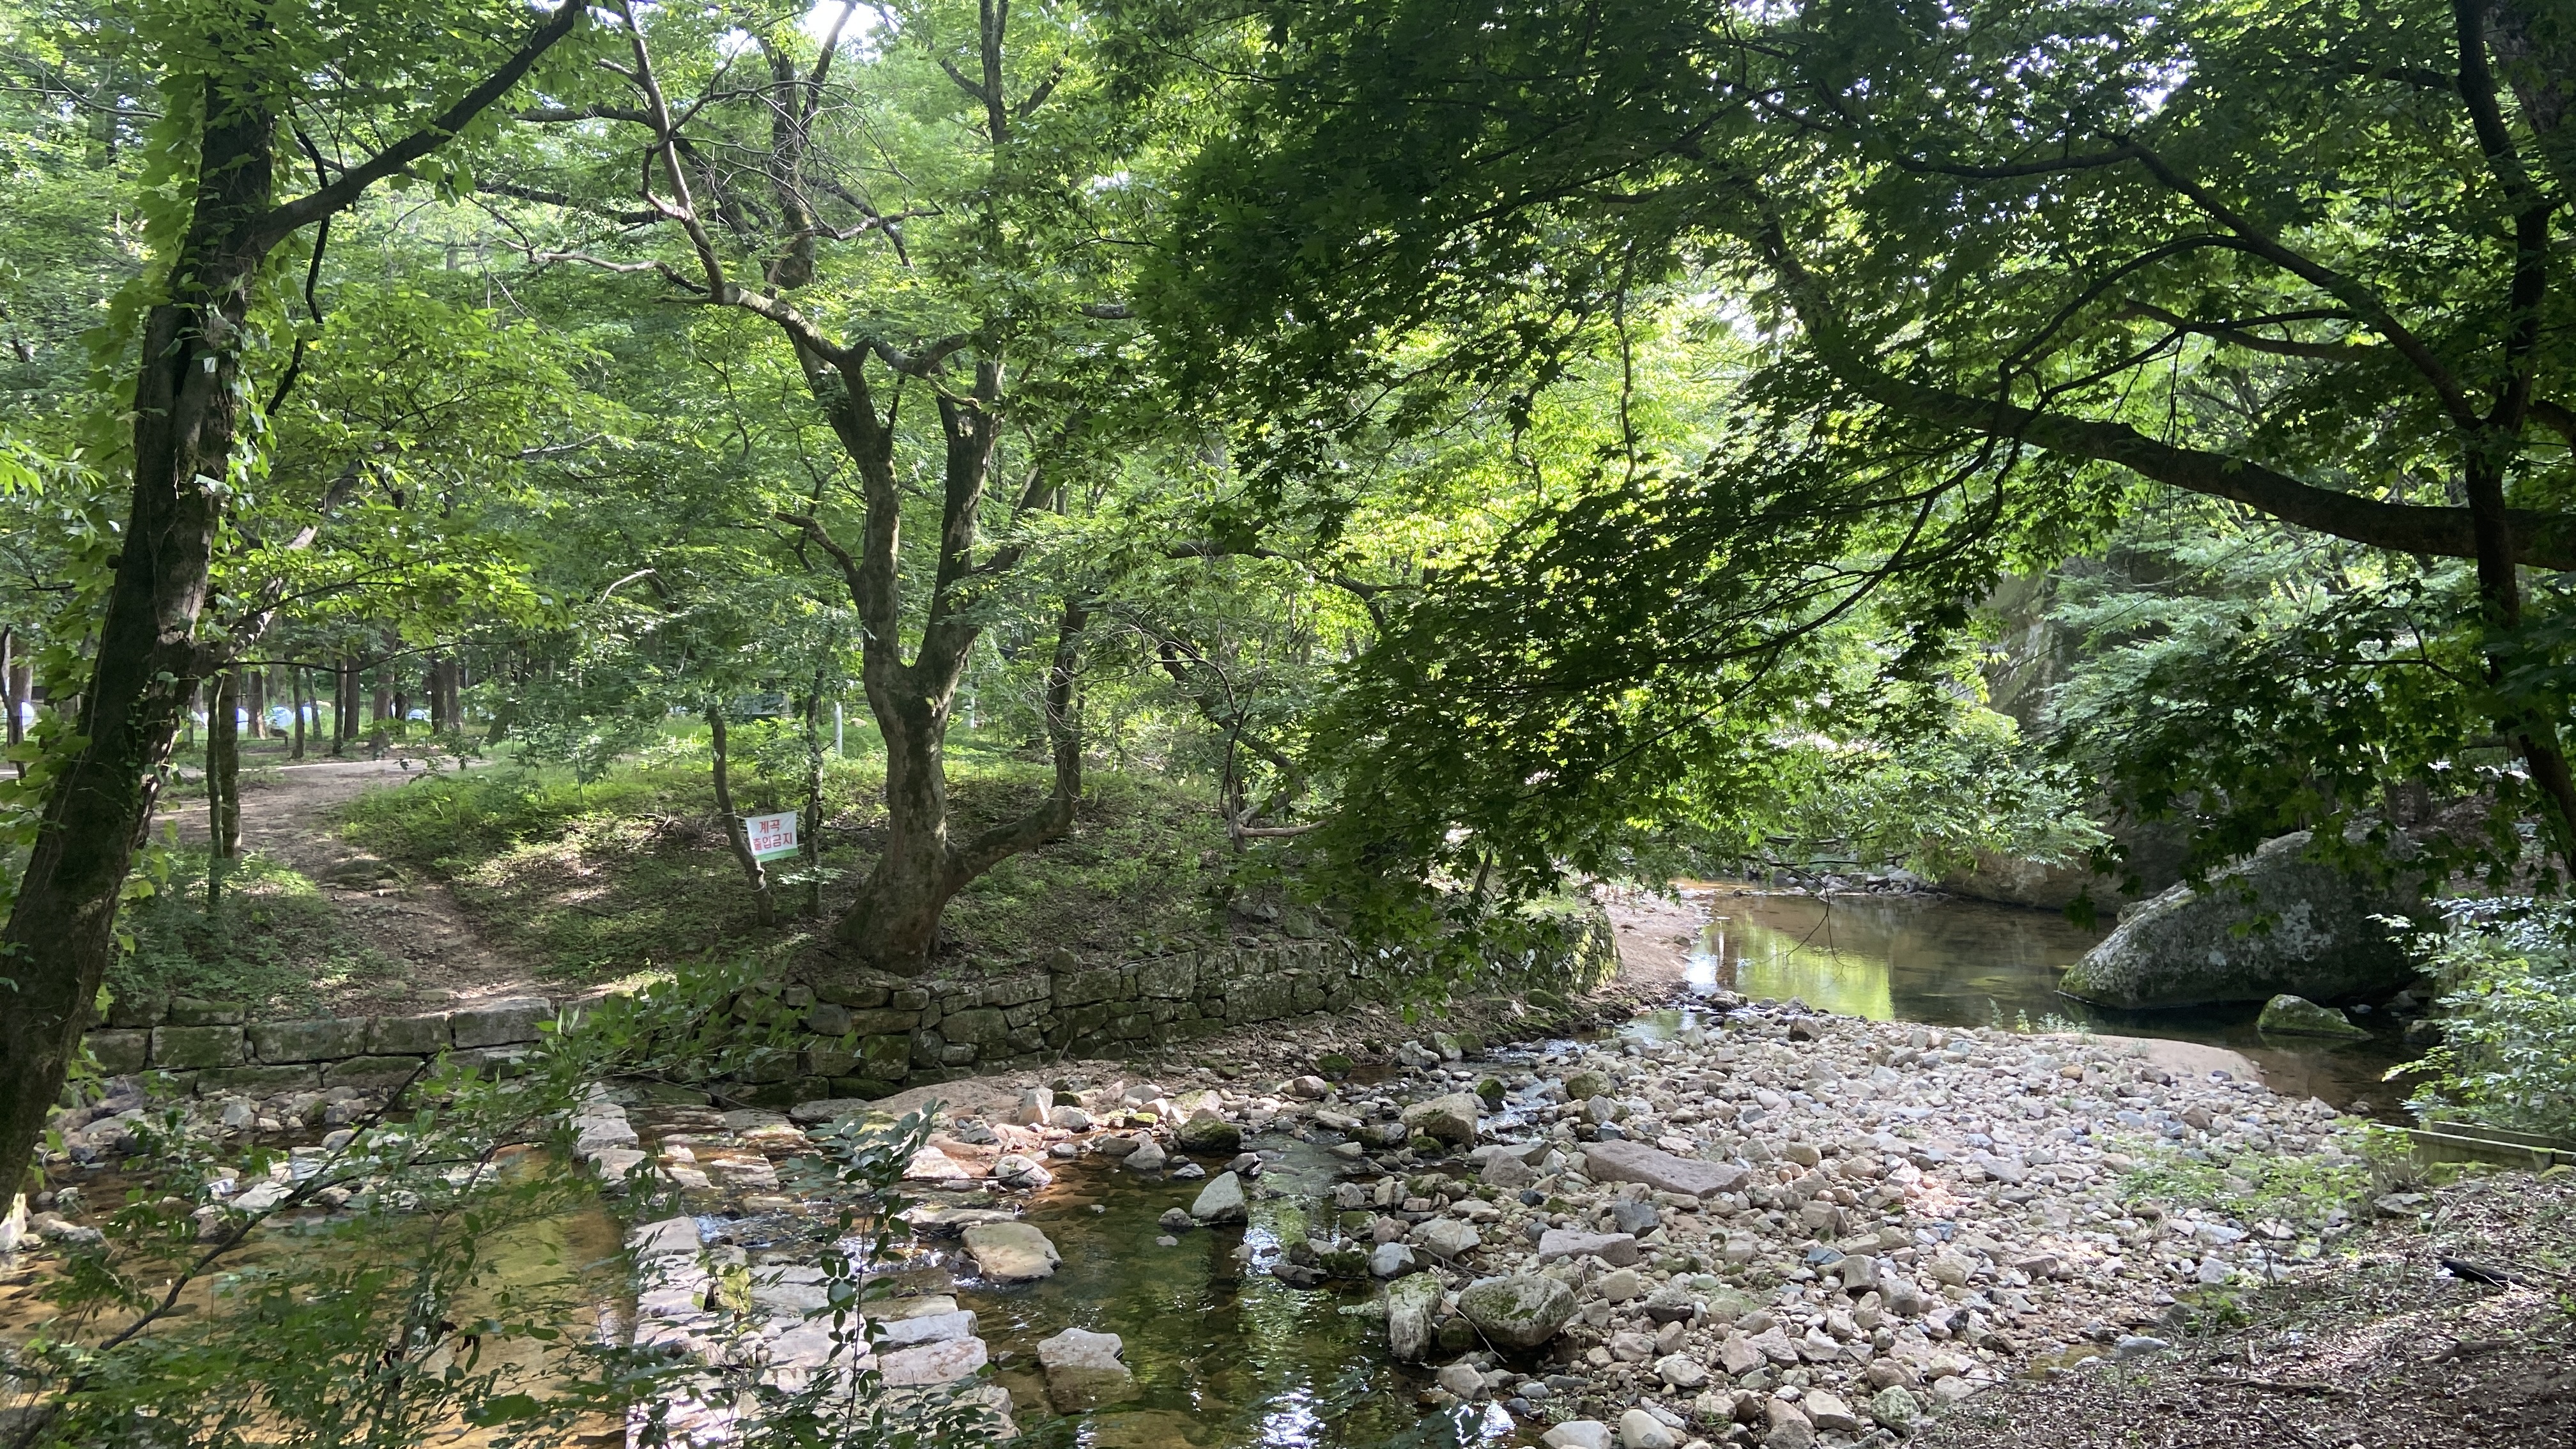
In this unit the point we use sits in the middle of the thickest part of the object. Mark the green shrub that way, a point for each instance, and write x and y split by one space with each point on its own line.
2508 1051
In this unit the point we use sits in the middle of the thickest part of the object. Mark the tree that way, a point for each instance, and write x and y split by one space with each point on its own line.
933 236
232 80
1996 264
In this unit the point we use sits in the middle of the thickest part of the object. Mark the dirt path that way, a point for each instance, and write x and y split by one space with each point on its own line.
291 813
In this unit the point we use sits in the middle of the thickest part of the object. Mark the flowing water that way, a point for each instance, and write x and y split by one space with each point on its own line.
1949 962
1224 1355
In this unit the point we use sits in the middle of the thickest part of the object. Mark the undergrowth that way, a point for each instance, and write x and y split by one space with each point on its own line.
630 871
274 943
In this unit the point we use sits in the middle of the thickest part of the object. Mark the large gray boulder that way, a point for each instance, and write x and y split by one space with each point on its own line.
2312 935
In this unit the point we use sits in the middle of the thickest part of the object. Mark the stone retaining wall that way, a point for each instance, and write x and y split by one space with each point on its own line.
860 1040
206 1045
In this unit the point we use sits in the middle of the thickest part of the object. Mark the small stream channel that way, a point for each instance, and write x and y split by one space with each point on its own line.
1949 962
1224 1355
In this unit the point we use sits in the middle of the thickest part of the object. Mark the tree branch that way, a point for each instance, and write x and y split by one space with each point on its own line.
294 216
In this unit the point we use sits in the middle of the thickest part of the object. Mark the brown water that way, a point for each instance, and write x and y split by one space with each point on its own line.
1948 962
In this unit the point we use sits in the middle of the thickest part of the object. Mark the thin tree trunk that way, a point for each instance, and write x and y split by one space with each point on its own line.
223 765
302 696
810 836
223 785
736 833
255 703
9 678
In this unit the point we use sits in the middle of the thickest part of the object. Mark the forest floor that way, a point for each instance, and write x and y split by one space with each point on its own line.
2384 1349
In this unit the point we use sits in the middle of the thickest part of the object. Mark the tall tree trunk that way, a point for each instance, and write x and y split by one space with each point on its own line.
62 927
223 765
894 925
187 394
255 702
2500 600
9 678
302 696
736 833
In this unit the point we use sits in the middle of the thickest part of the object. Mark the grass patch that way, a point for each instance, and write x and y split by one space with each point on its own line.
275 944
2296 1189
630 872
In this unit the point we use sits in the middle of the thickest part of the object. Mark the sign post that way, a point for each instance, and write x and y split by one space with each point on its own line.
772 836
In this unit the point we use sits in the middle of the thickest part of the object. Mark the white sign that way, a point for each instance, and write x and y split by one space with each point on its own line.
771 835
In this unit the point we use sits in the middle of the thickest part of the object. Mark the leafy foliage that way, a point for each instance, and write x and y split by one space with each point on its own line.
2507 968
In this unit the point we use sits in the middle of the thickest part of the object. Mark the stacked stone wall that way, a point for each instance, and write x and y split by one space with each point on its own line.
865 1040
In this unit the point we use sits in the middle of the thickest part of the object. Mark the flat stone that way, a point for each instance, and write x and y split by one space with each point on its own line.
198 1011
1790 1426
314 1040
1828 1412
1462 1380
1011 1252
1681 1371
1636 1162
949 1327
499 1023
120 1053
1896 1408
933 1363
370 1071
665 1238
257 1081
614 1163
1447 1238
1506 1171
1081 1348
1148 1156
2287 1015
1388 1260
178 1048
1209 1134
1619 1250
1517 1312
932 1165
826 1109
1221 1201
1579 1434
414 1035
1450 1119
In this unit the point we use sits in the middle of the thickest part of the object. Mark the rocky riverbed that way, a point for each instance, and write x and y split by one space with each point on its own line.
1755 1223
1769 1226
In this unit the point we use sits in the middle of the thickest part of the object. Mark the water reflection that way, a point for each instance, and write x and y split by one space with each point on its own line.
1949 962
1911 958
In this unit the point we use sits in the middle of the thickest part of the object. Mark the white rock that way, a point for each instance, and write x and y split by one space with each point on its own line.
1579 1434
1641 1430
